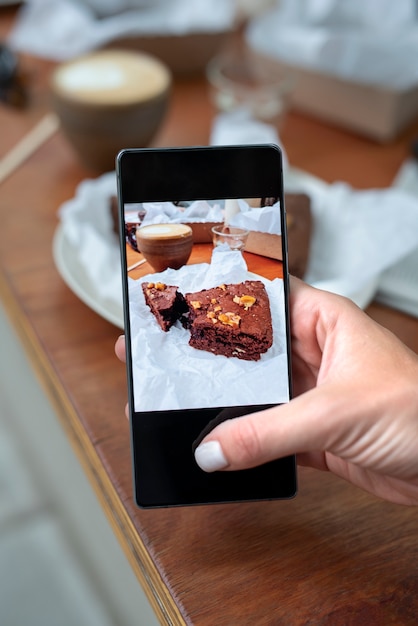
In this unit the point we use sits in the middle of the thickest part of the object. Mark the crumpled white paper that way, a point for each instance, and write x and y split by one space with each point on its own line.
88 226
198 211
241 127
374 42
357 235
62 29
158 379
265 219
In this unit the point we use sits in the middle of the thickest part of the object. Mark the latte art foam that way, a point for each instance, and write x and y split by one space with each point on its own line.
112 77
164 231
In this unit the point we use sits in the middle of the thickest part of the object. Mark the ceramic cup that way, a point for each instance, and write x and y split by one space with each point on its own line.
234 237
165 245
109 100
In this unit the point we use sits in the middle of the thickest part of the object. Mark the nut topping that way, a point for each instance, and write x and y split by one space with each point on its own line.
229 319
196 304
211 315
245 301
158 286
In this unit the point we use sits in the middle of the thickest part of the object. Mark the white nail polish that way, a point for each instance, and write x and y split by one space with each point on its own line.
209 456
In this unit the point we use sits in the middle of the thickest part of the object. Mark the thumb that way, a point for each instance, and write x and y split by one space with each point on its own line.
307 423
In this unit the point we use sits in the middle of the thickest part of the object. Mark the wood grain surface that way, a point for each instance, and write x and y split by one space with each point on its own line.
333 555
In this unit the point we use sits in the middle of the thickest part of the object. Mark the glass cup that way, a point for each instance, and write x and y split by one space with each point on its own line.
251 82
234 237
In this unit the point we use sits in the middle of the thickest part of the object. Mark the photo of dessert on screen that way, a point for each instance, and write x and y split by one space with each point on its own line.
207 305
230 320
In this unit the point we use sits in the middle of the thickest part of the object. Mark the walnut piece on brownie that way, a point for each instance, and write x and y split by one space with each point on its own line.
165 301
231 320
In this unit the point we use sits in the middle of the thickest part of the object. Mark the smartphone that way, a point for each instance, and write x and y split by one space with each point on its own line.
206 313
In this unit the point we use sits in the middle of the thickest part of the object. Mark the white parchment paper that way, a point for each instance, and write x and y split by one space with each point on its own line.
168 374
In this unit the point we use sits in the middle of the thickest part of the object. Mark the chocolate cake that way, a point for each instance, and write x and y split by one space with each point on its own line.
231 320
165 301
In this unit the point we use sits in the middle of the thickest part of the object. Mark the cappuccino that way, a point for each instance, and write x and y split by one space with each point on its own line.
112 77
165 231
109 100
165 245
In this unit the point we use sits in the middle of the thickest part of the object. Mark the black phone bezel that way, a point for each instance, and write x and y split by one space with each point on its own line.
164 471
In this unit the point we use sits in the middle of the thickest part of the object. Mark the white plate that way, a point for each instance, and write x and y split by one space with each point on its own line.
74 274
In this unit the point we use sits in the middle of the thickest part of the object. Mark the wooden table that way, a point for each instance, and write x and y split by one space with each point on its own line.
333 555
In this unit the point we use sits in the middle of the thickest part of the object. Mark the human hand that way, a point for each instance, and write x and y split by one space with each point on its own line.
355 410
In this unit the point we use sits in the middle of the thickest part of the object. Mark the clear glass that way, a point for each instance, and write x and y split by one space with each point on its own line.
235 238
249 81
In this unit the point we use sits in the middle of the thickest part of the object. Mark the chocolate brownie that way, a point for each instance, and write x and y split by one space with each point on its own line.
165 301
231 320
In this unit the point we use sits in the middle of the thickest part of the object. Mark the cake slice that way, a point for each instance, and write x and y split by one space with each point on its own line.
231 320
165 301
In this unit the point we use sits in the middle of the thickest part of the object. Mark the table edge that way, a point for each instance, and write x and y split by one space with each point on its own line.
144 568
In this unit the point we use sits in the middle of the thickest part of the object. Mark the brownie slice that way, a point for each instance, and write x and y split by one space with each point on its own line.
231 320
165 301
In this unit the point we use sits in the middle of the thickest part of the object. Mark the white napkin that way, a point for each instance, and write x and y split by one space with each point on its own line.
373 42
357 235
398 285
88 226
62 29
157 354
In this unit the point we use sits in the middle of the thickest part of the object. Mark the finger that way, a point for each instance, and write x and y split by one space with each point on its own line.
306 424
120 348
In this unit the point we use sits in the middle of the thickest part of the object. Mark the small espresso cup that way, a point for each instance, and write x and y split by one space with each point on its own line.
165 245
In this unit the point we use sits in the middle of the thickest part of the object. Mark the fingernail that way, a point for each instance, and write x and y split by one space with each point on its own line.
209 456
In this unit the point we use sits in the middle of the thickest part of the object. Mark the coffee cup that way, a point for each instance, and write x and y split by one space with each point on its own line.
109 100
165 245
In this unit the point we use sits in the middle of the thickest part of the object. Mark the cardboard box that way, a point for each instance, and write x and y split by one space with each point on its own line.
202 231
264 244
377 112
299 227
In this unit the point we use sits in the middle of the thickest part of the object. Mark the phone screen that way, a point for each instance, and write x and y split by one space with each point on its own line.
204 265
